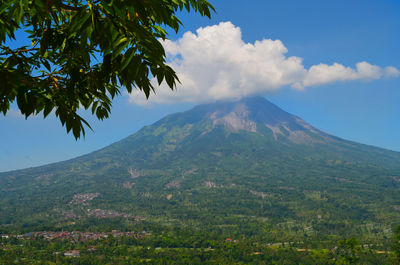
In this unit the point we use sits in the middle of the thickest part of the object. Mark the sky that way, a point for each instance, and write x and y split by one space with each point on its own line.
333 63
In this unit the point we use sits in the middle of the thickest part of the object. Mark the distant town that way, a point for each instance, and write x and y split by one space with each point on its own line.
74 236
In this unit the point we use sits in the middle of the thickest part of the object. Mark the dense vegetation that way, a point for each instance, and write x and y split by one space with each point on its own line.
167 245
191 177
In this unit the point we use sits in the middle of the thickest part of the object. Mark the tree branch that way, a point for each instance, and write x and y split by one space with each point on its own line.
67 7
16 52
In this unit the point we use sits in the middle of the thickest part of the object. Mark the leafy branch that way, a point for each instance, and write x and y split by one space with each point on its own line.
97 47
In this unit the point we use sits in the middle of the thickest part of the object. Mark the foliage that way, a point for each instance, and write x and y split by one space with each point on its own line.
184 246
396 244
349 251
83 52
194 185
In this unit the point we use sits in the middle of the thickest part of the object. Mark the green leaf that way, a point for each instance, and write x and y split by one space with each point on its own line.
128 56
71 35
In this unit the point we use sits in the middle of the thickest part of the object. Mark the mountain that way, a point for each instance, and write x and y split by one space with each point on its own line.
217 165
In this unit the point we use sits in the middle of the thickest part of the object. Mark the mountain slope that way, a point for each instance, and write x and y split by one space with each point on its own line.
216 164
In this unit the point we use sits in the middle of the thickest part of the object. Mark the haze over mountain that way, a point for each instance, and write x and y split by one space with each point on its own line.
217 163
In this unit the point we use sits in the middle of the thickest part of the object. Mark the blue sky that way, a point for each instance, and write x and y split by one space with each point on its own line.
319 32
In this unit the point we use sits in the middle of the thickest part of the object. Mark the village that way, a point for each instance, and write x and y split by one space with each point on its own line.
74 236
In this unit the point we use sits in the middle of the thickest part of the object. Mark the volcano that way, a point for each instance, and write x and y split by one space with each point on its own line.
217 163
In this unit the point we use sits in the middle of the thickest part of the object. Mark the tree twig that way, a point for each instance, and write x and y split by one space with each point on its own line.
18 51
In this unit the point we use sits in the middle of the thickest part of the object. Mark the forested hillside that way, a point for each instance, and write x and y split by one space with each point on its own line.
244 170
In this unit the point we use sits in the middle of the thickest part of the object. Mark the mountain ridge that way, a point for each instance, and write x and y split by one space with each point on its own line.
209 165
281 126
243 114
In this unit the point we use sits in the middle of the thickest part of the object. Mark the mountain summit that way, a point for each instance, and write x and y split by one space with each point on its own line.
246 158
248 113
253 125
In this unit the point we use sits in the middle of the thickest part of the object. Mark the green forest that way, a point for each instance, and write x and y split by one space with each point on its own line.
207 193
166 245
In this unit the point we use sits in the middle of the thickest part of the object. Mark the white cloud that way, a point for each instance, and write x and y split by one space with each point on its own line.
215 64
391 72
323 74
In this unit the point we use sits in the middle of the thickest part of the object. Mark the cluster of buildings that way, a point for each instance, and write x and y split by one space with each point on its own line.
83 198
76 235
100 213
